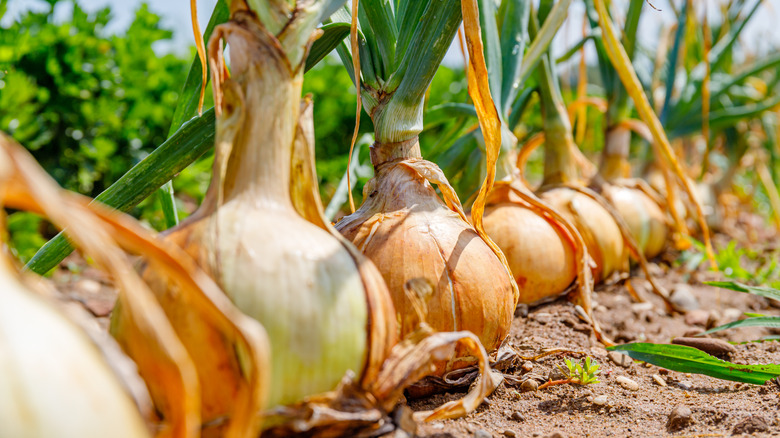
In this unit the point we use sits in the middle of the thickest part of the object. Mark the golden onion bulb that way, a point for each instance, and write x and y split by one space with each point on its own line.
645 219
540 255
599 231
55 380
410 233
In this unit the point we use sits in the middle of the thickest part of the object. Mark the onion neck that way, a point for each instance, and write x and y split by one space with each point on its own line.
384 152
614 158
559 163
396 128
258 166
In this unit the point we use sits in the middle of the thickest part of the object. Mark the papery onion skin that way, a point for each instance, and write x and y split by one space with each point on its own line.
540 256
409 233
55 381
598 228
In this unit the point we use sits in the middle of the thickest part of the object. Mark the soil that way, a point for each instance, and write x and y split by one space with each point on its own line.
666 403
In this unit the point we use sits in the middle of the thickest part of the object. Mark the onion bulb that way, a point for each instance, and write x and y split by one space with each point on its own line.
259 233
643 215
57 383
410 233
540 255
597 227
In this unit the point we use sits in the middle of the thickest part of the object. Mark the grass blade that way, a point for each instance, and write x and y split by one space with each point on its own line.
757 321
691 360
170 158
766 292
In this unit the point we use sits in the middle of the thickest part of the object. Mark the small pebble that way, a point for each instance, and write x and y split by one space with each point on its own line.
639 307
682 297
481 433
600 400
627 383
731 314
685 384
554 435
517 416
529 385
542 318
663 371
521 311
527 367
510 433
659 380
697 317
679 417
620 359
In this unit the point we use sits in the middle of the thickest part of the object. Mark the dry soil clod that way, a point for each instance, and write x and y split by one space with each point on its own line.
715 347
679 418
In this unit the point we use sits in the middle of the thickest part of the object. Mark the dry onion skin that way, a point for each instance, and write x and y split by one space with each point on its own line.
412 234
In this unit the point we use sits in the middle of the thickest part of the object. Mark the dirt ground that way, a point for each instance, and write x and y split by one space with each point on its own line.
676 404
665 403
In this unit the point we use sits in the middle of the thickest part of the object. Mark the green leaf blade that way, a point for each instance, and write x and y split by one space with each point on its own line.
756 321
690 360
179 151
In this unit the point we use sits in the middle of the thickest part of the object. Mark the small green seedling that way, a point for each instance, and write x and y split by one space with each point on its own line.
581 373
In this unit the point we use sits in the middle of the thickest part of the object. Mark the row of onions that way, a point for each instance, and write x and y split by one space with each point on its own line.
257 315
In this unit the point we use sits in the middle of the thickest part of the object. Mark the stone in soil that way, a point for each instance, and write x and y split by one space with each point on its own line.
627 383
679 418
715 347
482 433
751 424
529 385
620 359
517 416
659 380
682 297
600 400
510 433
698 317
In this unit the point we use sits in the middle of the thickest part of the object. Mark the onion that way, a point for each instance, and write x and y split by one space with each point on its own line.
320 302
57 383
643 215
410 233
598 228
540 255
414 236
